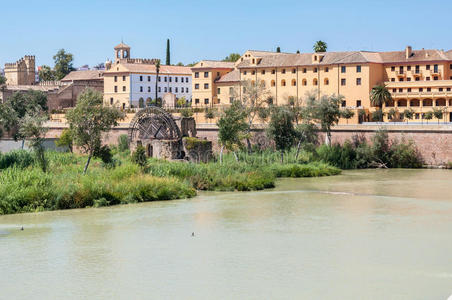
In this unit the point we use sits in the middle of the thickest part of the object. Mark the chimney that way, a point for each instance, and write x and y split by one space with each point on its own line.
408 52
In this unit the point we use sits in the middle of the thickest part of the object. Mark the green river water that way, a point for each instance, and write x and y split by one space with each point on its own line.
371 234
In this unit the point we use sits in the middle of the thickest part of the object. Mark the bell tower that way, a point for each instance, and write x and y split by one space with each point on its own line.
122 51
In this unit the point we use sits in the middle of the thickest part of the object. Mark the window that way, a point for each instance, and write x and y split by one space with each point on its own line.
408 68
206 86
196 76
401 69
358 103
124 88
170 79
206 101
358 69
409 90
123 78
160 78
326 69
392 79
273 83
393 68
304 82
400 90
304 70
401 79
427 67
244 72
186 79
343 103
448 89
196 101
218 74
165 79
427 78
326 81
263 72
149 89
116 88
314 82
175 79
343 69
149 78
343 81
206 74
160 89
358 81
408 79
116 78
450 67
273 71
315 70
283 82
394 90
218 91
253 72
141 89
111 101
435 77
435 68
294 82
141 78
170 89
429 89
294 71
421 89
440 89
418 79
197 86
417 69
182 79
166 89
283 71
231 90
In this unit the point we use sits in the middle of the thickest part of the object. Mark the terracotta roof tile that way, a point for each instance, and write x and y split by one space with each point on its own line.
150 68
215 64
84 75
233 76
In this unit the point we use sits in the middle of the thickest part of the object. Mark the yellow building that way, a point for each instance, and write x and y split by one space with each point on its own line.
417 79
22 72
131 82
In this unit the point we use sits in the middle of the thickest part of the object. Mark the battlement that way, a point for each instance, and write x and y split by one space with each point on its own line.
51 83
21 72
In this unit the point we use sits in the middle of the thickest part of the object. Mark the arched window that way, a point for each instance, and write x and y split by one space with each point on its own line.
283 82
148 101
273 83
305 82
263 83
294 82
314 82
141 103
326 81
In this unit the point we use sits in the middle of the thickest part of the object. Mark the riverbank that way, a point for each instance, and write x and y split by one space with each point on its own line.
25 188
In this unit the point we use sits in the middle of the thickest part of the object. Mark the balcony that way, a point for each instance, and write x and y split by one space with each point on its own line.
400 73
435 72
416 73
423 94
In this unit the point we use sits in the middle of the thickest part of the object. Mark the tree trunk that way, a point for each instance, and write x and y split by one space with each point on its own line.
298 151
328 138
282 156
87 164
23 144
221 154
235 155
248 144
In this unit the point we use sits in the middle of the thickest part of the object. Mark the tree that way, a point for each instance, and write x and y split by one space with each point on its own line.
298 51
89 119
380 95
326 112
2 79
392 113
99 66
281 129
17 107
233 57
428 116
139 157
63 64
157 70
210 113
180 64
31 127
123 143
320 46
231 127
409 114
141 102
181 102
65 140
438 113
278 49
168 55
296 106
253 97
347 114
46 73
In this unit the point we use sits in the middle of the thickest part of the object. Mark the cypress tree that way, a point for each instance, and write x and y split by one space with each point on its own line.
278 49
168 57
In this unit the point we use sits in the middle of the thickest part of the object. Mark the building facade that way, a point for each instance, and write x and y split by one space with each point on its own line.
22 72
417 79
130 83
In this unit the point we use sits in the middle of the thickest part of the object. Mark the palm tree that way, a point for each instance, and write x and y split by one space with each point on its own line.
157 69
380 95
320 46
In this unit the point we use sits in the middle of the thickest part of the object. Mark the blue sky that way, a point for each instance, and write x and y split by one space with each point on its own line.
213 29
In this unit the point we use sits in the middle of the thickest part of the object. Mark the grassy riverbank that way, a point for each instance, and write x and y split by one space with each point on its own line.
25 188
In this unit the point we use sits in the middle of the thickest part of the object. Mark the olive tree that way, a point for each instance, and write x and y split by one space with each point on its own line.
326 112
281 129
89 119
31 127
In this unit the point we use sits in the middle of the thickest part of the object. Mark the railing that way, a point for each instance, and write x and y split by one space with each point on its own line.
400 73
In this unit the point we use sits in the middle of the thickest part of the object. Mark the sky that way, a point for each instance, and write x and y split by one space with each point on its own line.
213 29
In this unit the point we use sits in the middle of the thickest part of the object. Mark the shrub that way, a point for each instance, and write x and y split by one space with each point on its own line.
18 158
123 143
139 157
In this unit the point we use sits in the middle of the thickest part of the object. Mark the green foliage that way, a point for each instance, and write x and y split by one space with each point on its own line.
210 113
320 46
380 95
63 64
31 128
377 116
123 143
392 113
192 143
89 119
232 126
46 73
325 112
105 154
18 158
181 102
65 140
438 112
139 157
347 114
408 113
278 49
428 116
233 57
168 53
186 112
2 79
281 128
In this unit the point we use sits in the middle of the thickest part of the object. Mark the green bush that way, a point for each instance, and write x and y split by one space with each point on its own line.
123 143
17 158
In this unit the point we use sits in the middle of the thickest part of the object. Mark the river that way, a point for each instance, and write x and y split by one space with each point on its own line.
371 234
